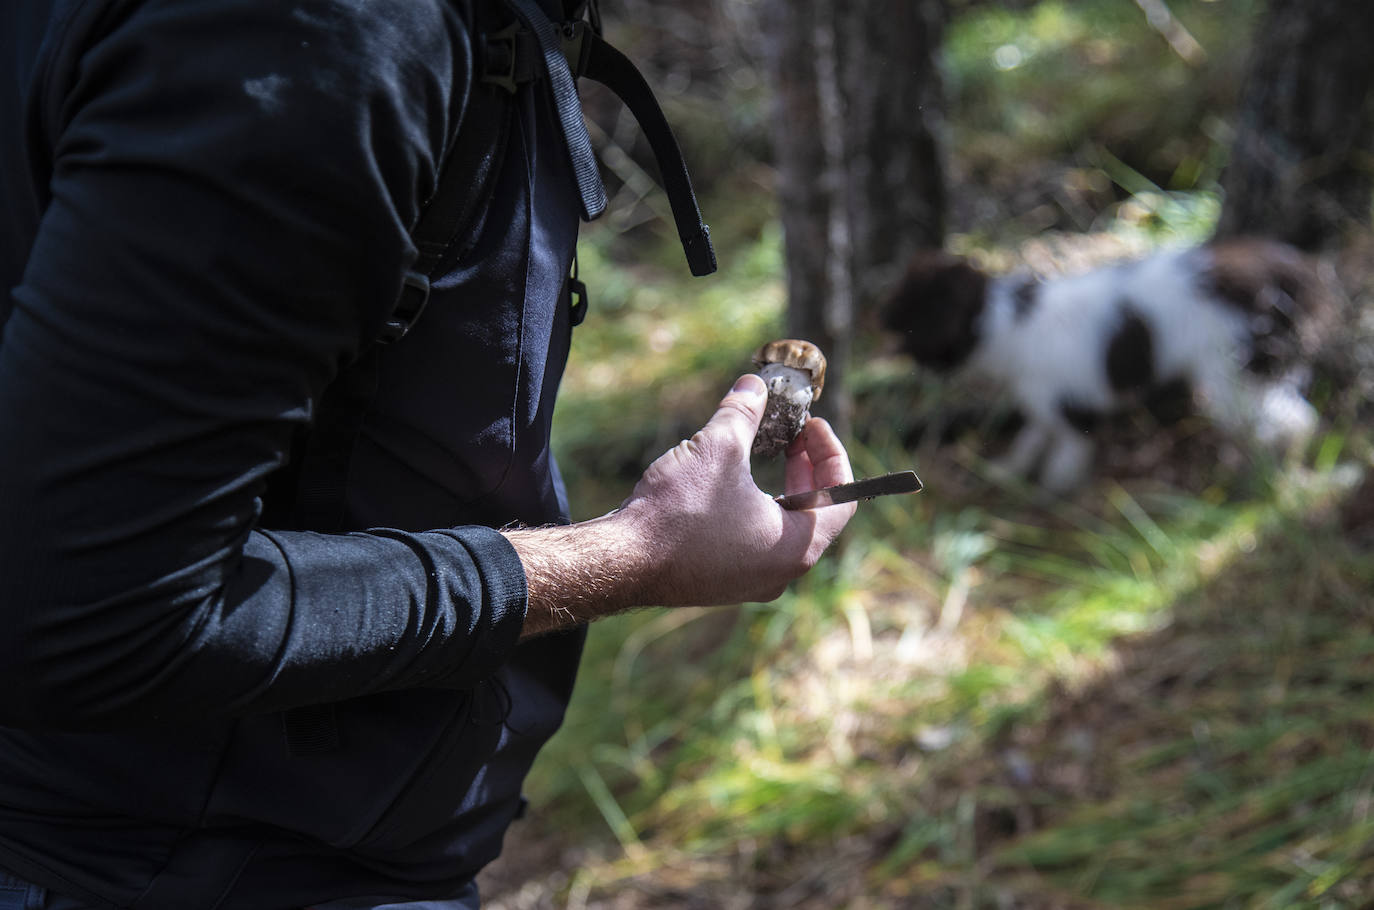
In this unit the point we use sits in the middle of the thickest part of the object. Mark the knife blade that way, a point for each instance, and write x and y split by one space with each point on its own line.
883 485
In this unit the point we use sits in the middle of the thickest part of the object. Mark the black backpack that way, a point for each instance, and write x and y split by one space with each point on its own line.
514 43
528 48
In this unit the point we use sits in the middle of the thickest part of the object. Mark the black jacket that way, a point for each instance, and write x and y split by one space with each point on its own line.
204 215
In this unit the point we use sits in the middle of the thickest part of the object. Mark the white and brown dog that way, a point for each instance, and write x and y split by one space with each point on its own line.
1224 322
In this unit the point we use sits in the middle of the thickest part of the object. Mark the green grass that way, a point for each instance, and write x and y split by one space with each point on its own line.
1145 696
1255 787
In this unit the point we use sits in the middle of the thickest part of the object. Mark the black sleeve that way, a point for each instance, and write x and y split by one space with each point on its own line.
231 189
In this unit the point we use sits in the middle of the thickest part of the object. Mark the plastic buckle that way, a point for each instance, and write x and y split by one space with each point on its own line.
409 306
577 310
572 41
500 58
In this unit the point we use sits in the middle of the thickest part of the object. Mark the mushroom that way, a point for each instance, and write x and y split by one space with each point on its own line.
794 371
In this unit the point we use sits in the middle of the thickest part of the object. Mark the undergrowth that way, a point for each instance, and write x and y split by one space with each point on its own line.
1151 694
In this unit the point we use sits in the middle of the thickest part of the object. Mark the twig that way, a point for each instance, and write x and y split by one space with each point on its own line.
1180 39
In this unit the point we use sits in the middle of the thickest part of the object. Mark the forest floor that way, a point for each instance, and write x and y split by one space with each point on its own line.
1155 693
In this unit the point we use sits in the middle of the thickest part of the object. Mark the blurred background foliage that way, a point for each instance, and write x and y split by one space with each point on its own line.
1156 693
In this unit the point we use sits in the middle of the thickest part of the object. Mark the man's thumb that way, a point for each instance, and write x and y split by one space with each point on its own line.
742 408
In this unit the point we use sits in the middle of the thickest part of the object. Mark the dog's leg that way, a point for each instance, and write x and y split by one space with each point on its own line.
1069 461
1025 451
1224 397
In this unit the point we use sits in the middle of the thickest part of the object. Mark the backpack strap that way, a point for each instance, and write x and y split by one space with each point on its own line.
534 48
601 62
531 48
451 218
553 65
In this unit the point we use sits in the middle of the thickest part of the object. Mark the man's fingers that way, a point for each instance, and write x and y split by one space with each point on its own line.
741 410
829 460
816 459
798 476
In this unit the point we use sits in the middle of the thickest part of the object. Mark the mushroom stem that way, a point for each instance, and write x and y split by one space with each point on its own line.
794 372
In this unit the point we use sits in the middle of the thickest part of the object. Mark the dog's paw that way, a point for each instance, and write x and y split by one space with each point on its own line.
1285 419
1068 464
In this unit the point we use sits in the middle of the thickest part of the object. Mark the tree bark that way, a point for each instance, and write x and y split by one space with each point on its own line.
1301 167
858 144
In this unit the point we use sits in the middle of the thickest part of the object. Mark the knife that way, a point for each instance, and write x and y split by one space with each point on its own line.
897 482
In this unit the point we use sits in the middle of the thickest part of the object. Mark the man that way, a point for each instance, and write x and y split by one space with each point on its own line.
264 648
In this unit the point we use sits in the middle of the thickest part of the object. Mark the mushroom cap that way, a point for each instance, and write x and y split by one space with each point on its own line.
797 354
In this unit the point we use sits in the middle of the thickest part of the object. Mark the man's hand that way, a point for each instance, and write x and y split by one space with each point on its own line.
695 531
718 537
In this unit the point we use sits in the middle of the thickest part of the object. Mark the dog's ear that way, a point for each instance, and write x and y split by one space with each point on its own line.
1290 308
934 308
1260 277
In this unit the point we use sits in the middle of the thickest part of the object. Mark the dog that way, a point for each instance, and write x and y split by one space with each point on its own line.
1223 325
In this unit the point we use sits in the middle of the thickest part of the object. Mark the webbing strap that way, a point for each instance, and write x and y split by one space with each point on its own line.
526 52
585 171
453 216
603 63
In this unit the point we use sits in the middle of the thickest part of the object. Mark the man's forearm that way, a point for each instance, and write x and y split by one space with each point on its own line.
581 572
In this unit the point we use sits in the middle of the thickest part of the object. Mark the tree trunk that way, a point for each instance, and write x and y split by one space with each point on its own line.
858 139
1301 166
